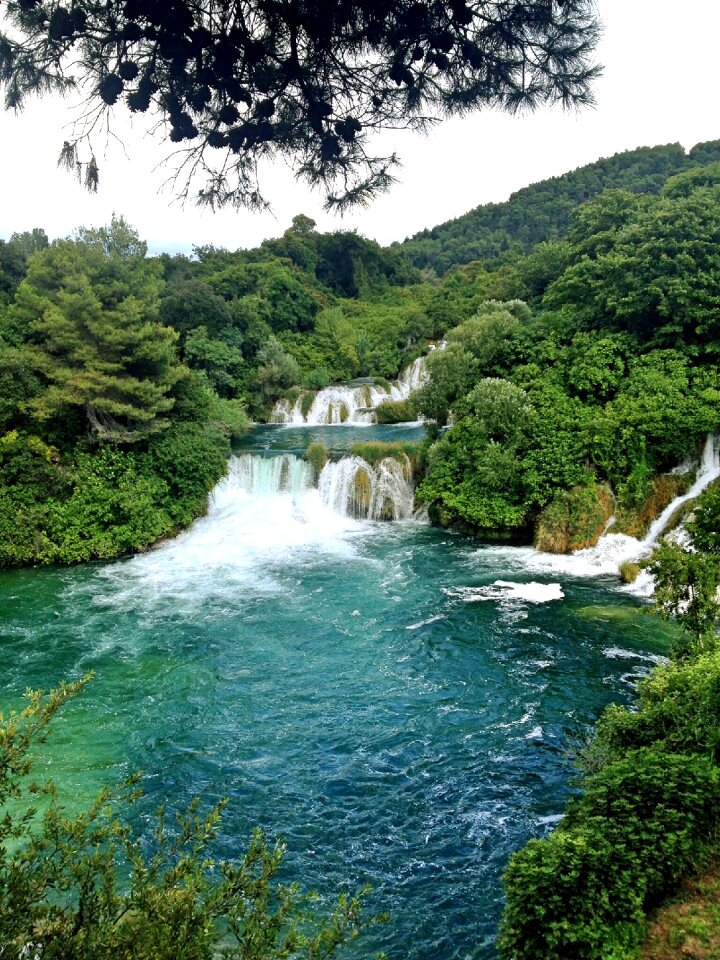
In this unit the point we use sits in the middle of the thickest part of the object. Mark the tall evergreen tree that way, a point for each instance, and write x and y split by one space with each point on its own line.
88 309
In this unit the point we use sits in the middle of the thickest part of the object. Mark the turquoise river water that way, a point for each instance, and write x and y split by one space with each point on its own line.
359 688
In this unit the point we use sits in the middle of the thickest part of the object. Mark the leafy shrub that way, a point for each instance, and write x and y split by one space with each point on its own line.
678 710
316 379
582 893
190 459
113 509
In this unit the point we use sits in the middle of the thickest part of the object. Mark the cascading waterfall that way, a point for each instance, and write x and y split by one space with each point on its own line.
355 488
414 376
350 403
708 471
350 487
614 549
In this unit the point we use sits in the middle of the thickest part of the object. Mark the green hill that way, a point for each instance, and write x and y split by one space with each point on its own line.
542 211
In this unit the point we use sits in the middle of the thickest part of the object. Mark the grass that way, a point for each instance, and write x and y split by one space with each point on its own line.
689 926
376 450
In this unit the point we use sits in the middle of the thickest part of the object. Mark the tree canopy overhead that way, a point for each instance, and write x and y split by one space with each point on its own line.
233 82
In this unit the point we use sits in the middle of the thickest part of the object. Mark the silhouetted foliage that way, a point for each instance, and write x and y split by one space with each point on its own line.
234 83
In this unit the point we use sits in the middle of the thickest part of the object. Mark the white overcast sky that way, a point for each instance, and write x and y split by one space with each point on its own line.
660 85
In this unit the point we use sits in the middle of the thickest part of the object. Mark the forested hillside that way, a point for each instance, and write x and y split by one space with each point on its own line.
608 376
543 211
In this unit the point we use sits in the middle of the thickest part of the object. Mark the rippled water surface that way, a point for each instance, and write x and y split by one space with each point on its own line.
361 689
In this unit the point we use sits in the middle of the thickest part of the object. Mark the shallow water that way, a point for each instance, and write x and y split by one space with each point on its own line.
363 689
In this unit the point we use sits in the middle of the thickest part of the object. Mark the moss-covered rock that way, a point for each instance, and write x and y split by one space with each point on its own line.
629 571
574 519
663 490
361 493
306 402
396 411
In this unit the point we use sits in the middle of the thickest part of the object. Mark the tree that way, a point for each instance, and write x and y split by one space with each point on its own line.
221 362
276 371
475 472
61 892
235 83
687 590
648 265
91 321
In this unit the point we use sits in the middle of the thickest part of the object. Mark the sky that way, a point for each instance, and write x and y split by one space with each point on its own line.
660 85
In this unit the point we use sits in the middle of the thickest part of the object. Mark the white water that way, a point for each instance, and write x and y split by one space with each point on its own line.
355 488
259 475
266 514
263 516
509 590
345 403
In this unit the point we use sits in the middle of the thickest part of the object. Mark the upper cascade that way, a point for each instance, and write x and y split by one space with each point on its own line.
350 403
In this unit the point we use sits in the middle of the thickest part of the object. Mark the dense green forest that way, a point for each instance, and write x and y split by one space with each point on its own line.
608 376
497 232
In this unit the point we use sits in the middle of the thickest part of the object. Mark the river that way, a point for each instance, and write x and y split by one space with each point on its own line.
363 689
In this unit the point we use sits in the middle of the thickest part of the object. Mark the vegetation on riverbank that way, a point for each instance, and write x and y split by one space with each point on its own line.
649 809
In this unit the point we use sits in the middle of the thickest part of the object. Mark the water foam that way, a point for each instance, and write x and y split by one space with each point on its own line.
265 514
509 590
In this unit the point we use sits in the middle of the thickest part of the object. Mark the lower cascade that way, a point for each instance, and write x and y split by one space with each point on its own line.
351 487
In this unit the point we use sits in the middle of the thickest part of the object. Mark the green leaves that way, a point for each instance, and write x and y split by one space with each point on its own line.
91 307
641 822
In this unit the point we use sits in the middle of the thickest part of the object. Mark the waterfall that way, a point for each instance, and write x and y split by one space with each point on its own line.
351 487
414 376
264 476
355 488
350 403
708 471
